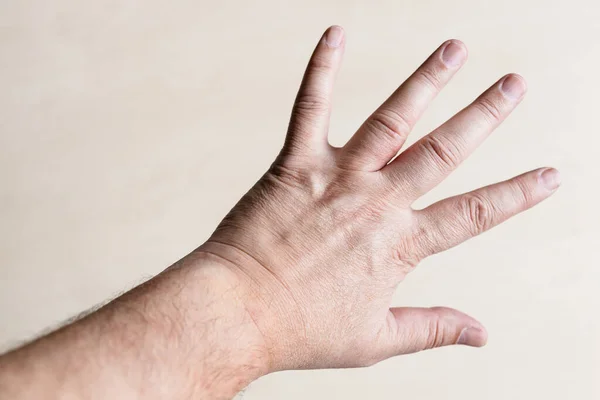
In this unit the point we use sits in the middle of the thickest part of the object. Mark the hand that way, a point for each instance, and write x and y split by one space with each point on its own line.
323 239
301 273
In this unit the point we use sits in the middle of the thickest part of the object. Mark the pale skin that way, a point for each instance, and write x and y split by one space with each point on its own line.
301 272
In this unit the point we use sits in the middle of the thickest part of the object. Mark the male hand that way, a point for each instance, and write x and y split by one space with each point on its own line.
301 273
324 238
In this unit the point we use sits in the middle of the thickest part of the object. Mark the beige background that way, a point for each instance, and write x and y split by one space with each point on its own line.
129 128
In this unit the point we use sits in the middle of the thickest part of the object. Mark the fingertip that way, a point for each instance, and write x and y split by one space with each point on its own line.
454 53
457 42
518 76
334 36
549 178
473 333
513 86
474 336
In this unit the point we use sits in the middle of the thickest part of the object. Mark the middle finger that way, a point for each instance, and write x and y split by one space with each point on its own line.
432 158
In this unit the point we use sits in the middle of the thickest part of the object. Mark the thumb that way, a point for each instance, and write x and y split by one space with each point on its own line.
416 329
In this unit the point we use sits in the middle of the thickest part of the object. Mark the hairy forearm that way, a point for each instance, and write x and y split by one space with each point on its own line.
184 333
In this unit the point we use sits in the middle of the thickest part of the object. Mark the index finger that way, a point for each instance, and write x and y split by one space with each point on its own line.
309 122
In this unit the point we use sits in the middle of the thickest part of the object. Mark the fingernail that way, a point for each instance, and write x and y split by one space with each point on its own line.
472 336
513 87
550 178
454 54
334 36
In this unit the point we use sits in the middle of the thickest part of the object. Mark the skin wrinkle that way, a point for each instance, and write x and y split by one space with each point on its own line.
234 247
258 282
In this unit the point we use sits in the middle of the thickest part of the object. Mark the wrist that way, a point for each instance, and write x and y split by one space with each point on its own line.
230 351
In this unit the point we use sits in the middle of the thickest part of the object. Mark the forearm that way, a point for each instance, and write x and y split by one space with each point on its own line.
183 334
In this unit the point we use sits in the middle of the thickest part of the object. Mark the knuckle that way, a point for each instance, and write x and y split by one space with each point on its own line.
405 257
311 104
410 251
296 178
435 333
429 77
319 64
391 123
489 109
478 212
443 151
423 242
523 192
